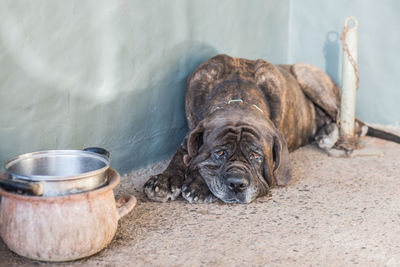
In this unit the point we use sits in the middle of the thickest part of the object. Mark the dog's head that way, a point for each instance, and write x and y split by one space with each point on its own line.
239 158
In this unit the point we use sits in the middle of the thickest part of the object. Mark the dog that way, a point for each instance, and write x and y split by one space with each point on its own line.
244 118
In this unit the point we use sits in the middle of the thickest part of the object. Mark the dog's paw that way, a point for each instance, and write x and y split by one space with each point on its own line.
327 137
163 187
196 191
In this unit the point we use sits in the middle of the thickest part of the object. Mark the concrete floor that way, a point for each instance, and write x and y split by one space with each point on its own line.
336 212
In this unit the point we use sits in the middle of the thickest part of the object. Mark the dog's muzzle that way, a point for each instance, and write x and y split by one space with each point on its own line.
237 183
236 178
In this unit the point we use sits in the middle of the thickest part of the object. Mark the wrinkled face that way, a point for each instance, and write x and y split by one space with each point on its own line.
236 160
234 170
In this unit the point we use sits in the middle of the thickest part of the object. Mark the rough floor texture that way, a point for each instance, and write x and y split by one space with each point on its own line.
336 212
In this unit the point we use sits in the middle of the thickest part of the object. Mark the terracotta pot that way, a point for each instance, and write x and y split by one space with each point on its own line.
62 228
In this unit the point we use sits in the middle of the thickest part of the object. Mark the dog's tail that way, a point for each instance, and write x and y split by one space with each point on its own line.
383 135
371 131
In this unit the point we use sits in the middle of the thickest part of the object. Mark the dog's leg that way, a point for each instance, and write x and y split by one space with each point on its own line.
319 87
168 185
195 189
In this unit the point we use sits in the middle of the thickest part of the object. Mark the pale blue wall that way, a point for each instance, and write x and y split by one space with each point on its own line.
112 73
379 49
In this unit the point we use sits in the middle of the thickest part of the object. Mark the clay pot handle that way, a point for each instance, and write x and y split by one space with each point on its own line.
124 205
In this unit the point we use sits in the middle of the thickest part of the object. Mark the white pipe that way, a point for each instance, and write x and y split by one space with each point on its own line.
349 81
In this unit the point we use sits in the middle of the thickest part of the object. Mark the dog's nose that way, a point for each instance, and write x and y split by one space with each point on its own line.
237 184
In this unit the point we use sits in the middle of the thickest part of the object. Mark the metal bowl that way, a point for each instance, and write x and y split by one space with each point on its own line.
59 172
54 165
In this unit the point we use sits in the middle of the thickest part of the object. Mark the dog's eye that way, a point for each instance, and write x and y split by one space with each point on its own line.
219 154
256 156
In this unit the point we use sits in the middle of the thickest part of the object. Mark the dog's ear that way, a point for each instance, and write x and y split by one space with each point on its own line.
281 172
203 80
319 87
195 141
272 83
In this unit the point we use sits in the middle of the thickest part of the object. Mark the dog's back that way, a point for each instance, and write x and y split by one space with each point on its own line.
224 80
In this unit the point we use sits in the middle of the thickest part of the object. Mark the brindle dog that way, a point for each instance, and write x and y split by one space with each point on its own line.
244 117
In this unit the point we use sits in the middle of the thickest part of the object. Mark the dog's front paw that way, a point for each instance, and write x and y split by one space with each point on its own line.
163 187
196 191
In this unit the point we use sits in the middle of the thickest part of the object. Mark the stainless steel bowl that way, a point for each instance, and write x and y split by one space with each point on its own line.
58 172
